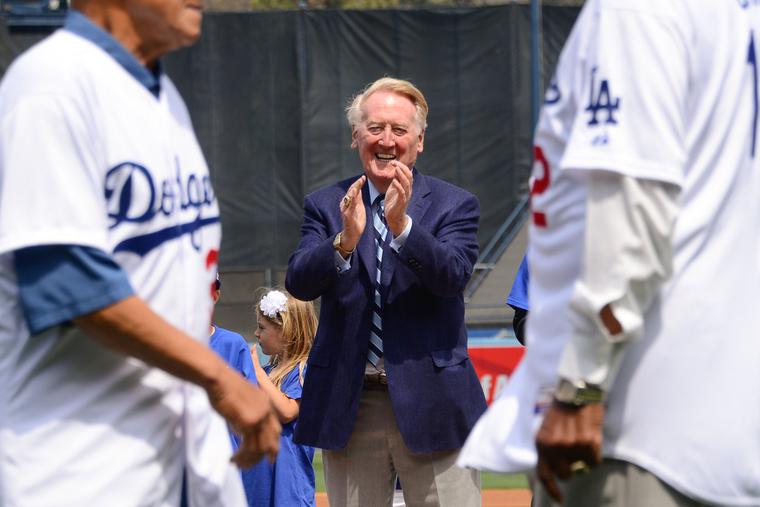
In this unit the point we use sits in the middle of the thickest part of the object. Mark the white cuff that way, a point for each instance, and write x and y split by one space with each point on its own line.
627 258
398 243
591 354
342 265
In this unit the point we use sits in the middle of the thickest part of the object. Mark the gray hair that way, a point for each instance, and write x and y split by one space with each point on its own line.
354 113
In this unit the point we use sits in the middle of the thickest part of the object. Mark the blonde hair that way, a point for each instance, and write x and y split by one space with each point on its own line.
355 115
298 324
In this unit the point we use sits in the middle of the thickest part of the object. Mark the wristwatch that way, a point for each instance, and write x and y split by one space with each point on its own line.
342 251
578 393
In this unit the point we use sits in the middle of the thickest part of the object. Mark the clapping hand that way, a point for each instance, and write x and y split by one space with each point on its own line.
353 215
397 198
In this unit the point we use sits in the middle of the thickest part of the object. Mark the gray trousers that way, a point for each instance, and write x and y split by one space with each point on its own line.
364 473
615 483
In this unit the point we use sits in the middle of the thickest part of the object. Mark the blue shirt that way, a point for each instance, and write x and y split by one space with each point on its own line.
234 350
289 482
518 296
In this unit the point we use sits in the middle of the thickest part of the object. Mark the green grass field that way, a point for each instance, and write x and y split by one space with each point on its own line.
488 480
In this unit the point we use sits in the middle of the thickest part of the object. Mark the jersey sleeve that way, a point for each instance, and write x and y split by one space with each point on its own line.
627 258
630 94
61 282
51 191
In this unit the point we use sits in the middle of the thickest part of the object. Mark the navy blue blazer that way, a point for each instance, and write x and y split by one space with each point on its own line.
435 393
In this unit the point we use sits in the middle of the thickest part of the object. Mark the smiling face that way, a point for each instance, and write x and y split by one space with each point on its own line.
388 131
269 336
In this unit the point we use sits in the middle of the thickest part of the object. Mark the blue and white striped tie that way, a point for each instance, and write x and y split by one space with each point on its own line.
375 351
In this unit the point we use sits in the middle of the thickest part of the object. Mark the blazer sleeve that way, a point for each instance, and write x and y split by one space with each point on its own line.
443 258
311 269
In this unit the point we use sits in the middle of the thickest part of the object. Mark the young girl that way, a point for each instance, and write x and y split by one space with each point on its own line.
285 331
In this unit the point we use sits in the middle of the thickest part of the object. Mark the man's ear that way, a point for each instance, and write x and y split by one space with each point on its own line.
421 142
354 141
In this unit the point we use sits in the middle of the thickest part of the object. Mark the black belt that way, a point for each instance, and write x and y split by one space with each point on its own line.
378 380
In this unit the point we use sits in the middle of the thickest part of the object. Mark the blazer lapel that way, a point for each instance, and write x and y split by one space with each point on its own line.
420 194
366 247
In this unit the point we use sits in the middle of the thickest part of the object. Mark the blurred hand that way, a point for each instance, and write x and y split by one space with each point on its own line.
263 440
249 413
353 215
568 435
397 198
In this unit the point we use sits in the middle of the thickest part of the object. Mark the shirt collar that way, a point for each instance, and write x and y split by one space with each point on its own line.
79 24
373 192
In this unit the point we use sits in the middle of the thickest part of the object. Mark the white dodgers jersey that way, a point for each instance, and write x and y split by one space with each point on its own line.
664 91
88 156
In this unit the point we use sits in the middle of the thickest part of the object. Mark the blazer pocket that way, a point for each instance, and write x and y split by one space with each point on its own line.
448 357
319 356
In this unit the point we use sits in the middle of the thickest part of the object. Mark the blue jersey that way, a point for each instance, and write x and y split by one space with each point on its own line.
518 295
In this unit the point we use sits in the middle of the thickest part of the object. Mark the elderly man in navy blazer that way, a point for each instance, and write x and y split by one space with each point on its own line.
390 390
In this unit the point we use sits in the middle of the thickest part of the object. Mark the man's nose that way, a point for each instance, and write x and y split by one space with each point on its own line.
387 138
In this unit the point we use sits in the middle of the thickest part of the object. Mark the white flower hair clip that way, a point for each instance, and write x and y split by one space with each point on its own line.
273 303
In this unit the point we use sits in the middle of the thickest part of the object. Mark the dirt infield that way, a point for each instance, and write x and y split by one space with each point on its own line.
506 498
491 498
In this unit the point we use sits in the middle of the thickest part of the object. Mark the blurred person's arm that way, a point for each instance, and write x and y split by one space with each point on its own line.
62 283
627 257
132 328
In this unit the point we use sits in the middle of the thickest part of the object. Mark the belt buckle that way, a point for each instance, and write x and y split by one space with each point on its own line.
377 378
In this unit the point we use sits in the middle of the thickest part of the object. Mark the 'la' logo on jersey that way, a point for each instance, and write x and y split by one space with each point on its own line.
600 102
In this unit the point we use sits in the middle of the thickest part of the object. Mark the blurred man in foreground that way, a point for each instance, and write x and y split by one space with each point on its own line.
109 237
644 247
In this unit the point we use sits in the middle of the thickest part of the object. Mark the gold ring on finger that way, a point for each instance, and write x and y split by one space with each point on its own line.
346 202
579 467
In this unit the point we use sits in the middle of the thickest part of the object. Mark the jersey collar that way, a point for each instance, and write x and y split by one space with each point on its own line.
79 24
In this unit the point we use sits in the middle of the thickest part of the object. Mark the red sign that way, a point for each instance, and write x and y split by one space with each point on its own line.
494 366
